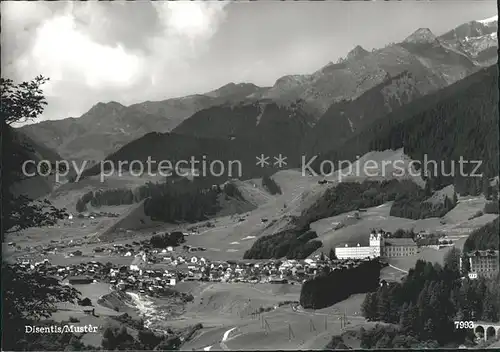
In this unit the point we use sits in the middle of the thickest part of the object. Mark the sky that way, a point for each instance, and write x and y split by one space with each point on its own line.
132 52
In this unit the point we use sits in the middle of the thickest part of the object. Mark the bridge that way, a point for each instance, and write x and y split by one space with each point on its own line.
487 329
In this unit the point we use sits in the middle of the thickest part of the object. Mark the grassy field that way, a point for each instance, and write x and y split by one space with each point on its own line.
221 307
101 318
390 274
456 224
229 236
68 194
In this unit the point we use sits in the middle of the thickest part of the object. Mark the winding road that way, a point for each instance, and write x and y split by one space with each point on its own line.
395 267
224 338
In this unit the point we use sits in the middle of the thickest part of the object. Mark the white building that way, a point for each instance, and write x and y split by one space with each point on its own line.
359 252
379 246
139 262
482 263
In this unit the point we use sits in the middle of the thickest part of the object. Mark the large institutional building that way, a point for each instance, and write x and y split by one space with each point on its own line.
482 263
379 246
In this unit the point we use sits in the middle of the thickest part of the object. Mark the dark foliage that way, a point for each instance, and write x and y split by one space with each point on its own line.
428 240
400 233
292 244
179 202
165 240
119 338
52 341
126 196
27 298
337 343
350 196
458 121
85 302
231 190
485 237
112 197
430 299
452 259
345 197
21 102
115 338
413 205
335 286
391 337
227 134
20 212
331 254
491 208
346 117
271 185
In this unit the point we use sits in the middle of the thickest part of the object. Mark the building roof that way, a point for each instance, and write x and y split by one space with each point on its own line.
79 277
483 253
399 242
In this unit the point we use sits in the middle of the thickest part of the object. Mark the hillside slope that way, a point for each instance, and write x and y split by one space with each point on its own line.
433 62
458 121
19 148
108 126
232 136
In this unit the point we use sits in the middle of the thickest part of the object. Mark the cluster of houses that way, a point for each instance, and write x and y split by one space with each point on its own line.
94 215
55 246
136 248
145 274
121 277
252 271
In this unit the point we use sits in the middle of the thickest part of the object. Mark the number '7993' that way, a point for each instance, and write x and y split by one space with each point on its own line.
464 324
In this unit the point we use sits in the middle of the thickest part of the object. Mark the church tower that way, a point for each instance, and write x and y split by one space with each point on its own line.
376 243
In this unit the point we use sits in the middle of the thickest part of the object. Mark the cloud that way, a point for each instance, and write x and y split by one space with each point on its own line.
190 19
100 51
67 53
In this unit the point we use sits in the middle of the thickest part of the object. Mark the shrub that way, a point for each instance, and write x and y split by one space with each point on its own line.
271 185
491 208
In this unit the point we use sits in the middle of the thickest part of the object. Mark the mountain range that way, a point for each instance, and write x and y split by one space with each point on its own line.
309 114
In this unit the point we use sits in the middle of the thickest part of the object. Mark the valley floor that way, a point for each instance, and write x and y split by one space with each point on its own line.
226 310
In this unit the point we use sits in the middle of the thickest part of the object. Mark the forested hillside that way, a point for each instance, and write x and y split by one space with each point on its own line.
231 135
346 118
458 121
486 237
428 302
19 148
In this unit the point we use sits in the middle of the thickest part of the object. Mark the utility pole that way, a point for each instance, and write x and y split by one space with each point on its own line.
311 325
268 328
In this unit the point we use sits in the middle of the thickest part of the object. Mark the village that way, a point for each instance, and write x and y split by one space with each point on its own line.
151 271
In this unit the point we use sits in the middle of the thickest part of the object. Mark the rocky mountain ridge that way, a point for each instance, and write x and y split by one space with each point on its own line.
432 62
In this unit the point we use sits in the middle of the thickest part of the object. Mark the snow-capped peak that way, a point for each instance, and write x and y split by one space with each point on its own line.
489 20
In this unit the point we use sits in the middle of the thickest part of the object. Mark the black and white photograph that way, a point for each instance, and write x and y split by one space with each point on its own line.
250 175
